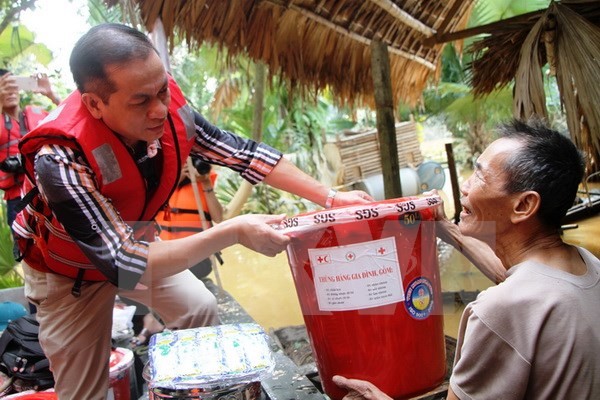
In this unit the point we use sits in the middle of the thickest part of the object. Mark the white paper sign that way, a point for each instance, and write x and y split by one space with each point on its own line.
357 276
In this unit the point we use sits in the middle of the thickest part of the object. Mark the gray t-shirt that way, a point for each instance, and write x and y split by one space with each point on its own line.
534 336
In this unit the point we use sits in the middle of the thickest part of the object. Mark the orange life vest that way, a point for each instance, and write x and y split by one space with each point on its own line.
180 218
117 177
9 141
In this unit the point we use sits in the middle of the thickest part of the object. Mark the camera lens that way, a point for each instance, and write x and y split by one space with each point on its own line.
202 167
11 164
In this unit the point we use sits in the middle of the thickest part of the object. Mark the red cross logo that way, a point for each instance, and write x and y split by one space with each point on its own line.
323 259
381 251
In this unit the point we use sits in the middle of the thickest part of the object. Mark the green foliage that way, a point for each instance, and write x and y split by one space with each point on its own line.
436 99
7 261
470 119
294 126
488 11
490 109
453 66
10 11
11 279
99 13
195 74
18 41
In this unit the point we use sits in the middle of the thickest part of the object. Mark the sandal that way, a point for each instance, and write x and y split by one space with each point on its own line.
143 337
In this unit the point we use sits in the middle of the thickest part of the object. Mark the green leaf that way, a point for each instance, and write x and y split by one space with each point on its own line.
40 52
7 261
18 41
14 40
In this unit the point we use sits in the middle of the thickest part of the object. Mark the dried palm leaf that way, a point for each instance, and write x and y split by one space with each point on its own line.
225 95
578 73
529 97
316 44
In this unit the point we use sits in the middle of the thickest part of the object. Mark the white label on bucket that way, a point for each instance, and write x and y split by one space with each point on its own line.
357 276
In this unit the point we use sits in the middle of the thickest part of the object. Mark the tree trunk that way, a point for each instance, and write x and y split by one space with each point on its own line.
386 127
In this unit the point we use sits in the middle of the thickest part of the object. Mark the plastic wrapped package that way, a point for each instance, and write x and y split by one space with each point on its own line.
208 358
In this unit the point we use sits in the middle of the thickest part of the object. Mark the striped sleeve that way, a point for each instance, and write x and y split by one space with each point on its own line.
66 183
252 160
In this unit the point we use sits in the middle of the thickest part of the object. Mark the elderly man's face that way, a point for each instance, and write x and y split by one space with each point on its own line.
486 205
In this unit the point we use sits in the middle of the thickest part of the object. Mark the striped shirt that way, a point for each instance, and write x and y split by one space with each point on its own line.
67 184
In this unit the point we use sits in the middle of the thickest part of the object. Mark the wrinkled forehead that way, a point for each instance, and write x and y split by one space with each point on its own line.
500 150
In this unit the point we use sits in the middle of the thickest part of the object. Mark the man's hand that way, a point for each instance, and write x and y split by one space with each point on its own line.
45 88
256 232
358 390
439 211
351 198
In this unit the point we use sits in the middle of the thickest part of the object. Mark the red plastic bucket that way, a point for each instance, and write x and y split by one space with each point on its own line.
369 288
120 364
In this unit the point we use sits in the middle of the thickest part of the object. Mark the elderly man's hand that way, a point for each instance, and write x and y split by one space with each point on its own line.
440 212
359 390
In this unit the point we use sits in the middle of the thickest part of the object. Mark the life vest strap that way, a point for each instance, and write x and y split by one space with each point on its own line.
76 290
28 198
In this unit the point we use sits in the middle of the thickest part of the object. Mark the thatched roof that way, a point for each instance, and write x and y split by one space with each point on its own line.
316 44
567 37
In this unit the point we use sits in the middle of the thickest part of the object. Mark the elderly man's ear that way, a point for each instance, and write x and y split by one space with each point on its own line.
526 205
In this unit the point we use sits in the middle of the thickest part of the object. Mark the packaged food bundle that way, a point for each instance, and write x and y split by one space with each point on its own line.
208 357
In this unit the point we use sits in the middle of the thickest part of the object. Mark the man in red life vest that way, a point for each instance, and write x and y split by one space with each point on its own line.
15 123
98 170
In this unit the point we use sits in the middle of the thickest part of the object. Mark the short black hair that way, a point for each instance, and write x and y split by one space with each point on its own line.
548 163
3 71
103 45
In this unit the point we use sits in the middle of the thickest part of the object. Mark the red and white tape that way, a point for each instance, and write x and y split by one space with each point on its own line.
363 212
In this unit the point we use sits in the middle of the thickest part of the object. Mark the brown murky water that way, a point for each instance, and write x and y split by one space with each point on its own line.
265 288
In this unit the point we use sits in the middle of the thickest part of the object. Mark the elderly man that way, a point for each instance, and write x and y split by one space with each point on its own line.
536 335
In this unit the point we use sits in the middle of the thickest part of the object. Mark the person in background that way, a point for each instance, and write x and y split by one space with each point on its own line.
15 124
536 335
97 172
181 218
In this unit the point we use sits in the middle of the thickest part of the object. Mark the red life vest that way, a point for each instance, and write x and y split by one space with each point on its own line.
9 142
180 216
117 178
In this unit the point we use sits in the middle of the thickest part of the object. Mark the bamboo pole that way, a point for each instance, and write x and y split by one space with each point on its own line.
205 224
454 182
404 17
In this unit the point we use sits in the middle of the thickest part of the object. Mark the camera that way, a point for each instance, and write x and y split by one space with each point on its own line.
12 164
27 83
202 167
